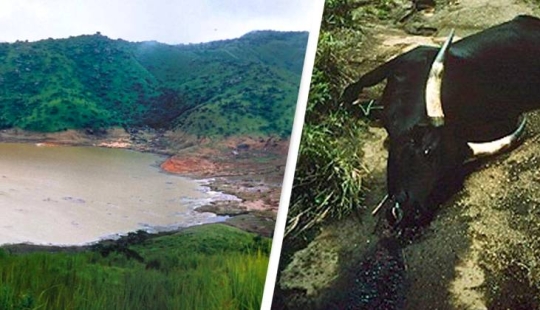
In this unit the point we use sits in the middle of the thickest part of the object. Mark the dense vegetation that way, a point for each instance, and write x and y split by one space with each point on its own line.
245 85
328 179
205 267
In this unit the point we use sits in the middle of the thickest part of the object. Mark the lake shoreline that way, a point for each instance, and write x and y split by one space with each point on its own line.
253 211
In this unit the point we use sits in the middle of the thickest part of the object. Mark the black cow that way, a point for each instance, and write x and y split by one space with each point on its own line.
443 107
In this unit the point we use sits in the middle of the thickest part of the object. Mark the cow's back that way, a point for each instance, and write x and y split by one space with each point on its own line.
520 35
493 76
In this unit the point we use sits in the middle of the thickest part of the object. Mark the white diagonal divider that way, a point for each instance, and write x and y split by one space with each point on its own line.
294 145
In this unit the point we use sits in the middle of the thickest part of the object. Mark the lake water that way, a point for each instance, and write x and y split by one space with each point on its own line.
74 195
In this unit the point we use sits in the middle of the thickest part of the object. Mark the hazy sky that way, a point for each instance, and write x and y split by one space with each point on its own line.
168 21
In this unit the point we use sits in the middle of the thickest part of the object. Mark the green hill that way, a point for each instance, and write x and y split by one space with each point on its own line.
239 86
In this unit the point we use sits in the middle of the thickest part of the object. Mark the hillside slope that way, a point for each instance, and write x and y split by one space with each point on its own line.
245 85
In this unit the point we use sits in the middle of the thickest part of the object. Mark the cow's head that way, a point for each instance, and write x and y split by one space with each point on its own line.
425 153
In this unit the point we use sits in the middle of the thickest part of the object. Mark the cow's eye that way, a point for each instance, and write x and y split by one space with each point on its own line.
427 152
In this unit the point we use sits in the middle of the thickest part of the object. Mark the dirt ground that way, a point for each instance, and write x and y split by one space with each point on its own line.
482 250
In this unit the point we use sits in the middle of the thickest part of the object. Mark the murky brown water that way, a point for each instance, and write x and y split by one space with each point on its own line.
74 195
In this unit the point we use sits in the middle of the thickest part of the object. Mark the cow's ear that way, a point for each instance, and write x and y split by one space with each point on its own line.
350 94
374 77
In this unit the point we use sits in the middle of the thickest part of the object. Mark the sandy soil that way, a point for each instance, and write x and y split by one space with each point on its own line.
482 249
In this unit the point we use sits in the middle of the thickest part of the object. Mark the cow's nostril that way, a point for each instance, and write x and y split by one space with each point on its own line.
397 212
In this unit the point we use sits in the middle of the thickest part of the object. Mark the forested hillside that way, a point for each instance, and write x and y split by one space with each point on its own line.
239 86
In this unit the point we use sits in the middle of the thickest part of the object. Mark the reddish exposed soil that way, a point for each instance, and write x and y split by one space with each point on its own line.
249 168
189 165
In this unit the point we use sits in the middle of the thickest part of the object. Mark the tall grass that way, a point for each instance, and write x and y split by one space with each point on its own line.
328 179
329 175
223 280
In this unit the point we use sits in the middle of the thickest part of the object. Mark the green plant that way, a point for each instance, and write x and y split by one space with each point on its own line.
93 82
205 267
328 179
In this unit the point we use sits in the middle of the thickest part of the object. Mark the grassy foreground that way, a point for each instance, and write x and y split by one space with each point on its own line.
204 267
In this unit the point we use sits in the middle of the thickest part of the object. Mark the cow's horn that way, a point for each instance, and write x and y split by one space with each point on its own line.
433 85
499 145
